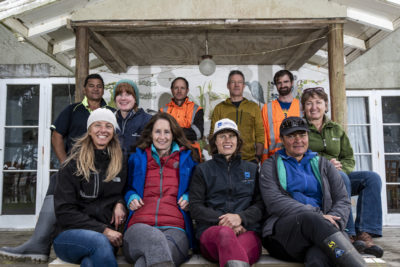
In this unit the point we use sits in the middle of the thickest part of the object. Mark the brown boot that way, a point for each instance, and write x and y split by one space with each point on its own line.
358 244
371 248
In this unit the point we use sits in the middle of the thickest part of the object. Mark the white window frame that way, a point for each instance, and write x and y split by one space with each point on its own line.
377 144
44 146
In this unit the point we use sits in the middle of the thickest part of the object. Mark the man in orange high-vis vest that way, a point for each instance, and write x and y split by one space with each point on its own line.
276 111
188 115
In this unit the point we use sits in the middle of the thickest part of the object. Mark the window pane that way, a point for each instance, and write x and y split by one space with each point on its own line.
22 105
391 138
21 148
360 138
393 198
358 112
363 163
63 95
19 193
392 167
391 109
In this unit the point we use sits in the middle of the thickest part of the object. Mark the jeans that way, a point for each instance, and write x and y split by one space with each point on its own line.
367 185
85 247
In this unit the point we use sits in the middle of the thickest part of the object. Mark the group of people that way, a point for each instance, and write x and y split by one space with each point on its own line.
128 179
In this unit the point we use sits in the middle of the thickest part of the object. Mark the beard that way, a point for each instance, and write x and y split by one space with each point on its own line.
284 91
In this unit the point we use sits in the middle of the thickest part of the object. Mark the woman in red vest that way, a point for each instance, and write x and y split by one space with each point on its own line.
159 230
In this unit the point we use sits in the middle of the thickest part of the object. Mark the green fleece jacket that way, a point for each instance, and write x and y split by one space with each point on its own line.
332 142
248 119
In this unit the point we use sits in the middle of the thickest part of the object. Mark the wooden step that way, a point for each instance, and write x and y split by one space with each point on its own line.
198 261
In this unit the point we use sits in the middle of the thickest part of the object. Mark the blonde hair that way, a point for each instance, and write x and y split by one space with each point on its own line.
83 154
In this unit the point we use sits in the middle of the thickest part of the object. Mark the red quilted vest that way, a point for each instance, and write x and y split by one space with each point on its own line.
160 193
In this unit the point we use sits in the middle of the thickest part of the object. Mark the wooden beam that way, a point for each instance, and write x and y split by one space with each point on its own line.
336 74
64 46
17 7
207 24
82 61
50 25
307 50
354 42
369 19
92 57
106 53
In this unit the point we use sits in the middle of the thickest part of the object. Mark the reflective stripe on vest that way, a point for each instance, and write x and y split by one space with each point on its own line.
274 144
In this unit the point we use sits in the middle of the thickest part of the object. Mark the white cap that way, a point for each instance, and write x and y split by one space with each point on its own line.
226 124
102 114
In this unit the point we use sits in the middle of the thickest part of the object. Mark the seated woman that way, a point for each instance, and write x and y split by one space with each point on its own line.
306 202
225 201
159 230
88 198
329 140
131 119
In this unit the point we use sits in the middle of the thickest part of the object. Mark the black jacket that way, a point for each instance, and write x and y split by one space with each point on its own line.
87 205
219 187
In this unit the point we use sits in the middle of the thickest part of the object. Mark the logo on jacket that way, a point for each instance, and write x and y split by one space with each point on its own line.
247 178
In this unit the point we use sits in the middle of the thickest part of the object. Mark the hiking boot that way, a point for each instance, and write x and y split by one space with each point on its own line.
370 247
358 244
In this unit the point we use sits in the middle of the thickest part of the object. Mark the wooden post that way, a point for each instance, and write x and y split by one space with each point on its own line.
82 61
336 74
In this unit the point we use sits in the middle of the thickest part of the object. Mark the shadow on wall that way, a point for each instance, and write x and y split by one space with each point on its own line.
164 99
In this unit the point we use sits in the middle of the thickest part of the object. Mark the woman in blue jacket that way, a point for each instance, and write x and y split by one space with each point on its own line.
159 230
131 119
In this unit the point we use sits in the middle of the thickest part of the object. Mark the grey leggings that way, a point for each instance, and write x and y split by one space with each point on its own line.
146 245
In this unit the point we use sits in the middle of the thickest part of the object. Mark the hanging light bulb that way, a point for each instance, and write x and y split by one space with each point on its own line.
207 66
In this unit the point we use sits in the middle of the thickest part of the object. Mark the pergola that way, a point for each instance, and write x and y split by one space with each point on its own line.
81 35
170 38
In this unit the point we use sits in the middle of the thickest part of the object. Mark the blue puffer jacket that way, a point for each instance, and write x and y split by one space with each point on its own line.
137 166
130 128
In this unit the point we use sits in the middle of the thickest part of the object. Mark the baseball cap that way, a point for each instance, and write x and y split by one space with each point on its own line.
225 124
293 124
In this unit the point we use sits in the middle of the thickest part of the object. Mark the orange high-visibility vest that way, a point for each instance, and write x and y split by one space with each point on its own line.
184 115
272 115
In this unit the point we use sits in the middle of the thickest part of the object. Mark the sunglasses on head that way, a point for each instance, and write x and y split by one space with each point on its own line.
295 122
313 89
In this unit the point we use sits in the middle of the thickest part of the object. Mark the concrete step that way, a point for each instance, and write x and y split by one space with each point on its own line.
198 261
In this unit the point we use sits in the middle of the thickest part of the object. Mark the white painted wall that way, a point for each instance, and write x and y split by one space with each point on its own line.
155 81
378 68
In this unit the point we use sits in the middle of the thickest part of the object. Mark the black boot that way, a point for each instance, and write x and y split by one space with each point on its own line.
236 263
37 248
341 251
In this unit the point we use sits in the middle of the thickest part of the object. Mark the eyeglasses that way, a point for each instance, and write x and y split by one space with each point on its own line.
293 122
313 89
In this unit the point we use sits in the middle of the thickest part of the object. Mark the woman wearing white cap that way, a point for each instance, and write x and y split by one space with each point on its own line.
88 197
225 201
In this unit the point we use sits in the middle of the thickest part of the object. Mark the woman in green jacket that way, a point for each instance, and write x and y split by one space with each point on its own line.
331 141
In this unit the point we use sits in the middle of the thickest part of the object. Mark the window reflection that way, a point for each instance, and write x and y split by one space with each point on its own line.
22 105
393 198
21 146
19 192
63 95
391 109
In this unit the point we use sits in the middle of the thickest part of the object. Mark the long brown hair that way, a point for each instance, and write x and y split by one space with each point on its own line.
179 137
83 154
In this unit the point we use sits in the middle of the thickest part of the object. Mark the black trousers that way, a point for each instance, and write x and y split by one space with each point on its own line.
298 238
